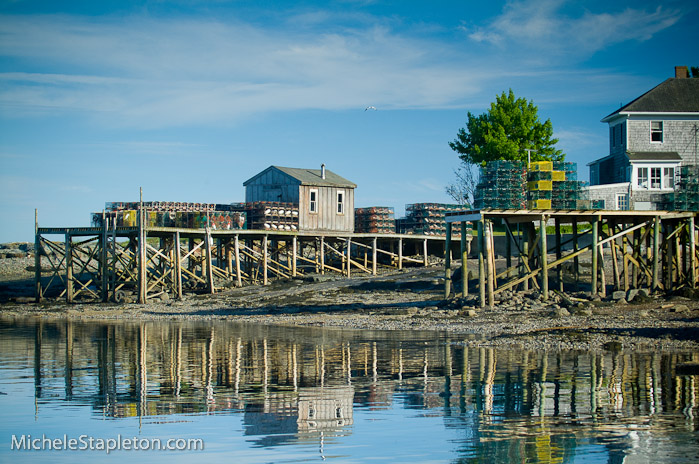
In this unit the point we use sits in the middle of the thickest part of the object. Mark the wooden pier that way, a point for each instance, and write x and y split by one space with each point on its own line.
139 263
655 250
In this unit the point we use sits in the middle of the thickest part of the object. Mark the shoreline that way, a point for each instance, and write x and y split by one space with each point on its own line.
411 299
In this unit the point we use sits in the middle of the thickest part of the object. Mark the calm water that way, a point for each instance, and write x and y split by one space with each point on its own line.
256 394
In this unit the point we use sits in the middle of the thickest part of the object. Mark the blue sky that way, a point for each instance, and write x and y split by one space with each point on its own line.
188 99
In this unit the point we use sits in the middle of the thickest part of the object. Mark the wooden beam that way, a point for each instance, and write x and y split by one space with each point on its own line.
424 252
294 252
692 252
236 251
481 264
265 258
209 264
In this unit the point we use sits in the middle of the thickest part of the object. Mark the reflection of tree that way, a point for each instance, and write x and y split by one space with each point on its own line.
304 384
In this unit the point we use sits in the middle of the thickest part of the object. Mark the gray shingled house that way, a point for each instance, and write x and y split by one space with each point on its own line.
325 200
649 139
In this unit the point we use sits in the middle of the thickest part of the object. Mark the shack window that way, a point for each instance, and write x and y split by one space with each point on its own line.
656 131
340 202
313 203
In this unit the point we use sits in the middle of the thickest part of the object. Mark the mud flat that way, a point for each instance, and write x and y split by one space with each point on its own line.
411 299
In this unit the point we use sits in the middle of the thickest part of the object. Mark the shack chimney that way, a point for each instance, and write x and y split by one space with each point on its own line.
681 72
322 171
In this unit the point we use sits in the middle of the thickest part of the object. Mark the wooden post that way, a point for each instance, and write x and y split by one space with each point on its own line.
178 265
524 238
595 255
236 251
669 255
69 267
447 263
490 257
424 253
229 259
374 255
543 251
400 253
481 264
464 259
104 271
142 258
322 255
209 265
508 250
692 253
348 246
559 253
294 252
38 290
265 257
576 263
656 253
531 238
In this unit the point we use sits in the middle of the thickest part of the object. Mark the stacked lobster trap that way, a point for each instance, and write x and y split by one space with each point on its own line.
375 220
426 219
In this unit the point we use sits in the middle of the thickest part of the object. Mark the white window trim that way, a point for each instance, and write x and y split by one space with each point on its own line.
625 197
313 204
662 131
649 166
341 198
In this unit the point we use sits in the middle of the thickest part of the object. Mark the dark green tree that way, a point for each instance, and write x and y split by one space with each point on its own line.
506 132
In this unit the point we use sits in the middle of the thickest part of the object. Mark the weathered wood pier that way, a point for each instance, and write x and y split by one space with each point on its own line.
656 250
139 263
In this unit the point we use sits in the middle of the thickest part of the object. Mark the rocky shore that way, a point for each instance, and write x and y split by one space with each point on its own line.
411 299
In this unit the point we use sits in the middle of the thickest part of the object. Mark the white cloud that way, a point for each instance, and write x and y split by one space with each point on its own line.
546 25
154 72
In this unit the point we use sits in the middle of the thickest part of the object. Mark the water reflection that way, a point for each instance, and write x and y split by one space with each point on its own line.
307 385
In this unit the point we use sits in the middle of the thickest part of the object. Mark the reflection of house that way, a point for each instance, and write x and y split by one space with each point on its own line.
325 200
325 408
649 139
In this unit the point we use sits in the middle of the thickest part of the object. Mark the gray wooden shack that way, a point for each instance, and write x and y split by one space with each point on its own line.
325 200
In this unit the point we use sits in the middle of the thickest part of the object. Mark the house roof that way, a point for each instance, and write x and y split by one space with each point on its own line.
310 177
654 156
671 96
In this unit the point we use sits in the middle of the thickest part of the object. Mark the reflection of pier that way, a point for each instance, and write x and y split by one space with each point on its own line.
311 383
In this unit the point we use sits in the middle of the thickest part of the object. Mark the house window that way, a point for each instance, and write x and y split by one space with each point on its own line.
643 177
655 178
622 201
313 203
656 131
340 202
669 178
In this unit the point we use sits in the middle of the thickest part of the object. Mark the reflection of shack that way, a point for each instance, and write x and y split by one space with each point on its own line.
322 409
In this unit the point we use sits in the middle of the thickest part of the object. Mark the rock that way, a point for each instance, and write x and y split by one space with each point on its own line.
467 313
622 302
586 312
165 296
679 308
618 295
561 312
631 294
596 297
643 314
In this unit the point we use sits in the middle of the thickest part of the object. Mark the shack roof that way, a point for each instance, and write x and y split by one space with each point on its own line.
311 177
670 96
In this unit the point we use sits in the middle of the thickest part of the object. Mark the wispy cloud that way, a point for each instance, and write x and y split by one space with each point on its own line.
177 71
549 26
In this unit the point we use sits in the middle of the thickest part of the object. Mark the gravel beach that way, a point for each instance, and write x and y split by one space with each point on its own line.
411 299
